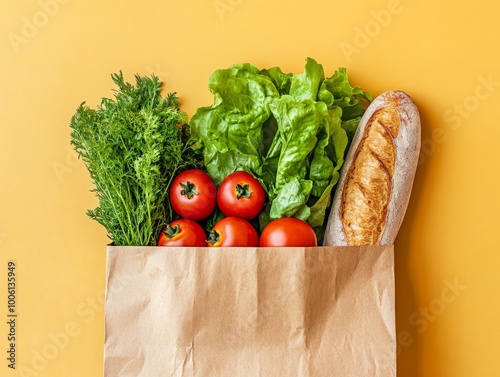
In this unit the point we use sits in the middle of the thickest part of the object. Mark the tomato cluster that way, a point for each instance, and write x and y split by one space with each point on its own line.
240 198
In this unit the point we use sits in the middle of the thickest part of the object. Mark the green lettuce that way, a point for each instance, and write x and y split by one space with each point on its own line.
290 131
231 129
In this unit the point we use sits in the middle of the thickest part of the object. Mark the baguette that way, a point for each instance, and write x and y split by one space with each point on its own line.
376 179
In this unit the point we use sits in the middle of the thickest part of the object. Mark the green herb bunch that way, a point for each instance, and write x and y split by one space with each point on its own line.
133 146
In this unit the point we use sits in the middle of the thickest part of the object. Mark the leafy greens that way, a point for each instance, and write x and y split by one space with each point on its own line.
133 146
290 131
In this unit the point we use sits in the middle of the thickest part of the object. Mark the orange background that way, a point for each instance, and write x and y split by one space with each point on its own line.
56 54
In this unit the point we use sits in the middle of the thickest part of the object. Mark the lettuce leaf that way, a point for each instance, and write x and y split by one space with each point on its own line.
231 129
305 86
290 131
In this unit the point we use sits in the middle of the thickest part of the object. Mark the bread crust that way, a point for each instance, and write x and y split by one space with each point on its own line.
377 176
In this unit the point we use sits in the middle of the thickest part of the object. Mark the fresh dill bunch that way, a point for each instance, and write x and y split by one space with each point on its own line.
133 145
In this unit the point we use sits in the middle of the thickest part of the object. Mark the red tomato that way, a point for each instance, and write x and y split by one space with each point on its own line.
193 194
182 232
233 231
241 195
288 231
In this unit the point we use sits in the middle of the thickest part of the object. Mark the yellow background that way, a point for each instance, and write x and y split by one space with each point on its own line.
56 54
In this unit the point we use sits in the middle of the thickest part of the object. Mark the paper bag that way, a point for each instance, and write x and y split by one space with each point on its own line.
250 312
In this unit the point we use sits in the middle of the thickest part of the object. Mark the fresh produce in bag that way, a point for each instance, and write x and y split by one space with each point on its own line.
291 132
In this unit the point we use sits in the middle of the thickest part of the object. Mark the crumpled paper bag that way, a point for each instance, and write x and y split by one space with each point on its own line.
250 312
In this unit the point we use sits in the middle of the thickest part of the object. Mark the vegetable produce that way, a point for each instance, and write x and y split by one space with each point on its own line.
182 232
133 146
233 231
193 194
241 195
288 231
290 131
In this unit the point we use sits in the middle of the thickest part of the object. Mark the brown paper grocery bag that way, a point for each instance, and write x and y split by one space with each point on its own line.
263 312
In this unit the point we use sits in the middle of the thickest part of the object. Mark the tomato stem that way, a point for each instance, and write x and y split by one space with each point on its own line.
172 231
188 189
213 237
243 191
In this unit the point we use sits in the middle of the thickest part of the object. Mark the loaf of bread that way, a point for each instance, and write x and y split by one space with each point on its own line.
377 176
